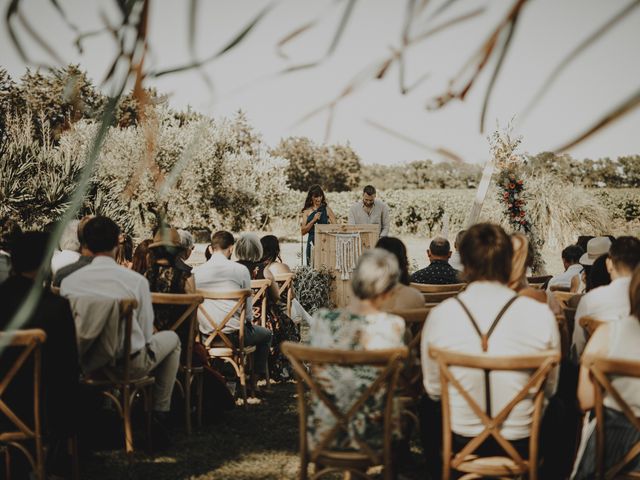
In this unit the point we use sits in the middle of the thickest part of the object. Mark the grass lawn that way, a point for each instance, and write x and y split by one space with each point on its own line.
260 442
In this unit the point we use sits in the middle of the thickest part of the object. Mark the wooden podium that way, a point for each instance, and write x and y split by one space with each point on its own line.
324 254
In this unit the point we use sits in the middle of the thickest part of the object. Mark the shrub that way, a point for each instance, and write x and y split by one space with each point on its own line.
313 288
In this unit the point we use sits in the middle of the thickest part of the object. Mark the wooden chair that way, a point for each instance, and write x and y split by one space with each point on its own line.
501 466
563 297
120 380
218 343
438 297
27 344
590 324
303 359
429 288
539 281
192 374
285 284
600 371
260 289
565 337
570 317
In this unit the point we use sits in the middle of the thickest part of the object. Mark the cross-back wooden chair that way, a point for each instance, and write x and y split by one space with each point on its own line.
285 284
431 298
121 381
563 297
570 317
432 288
512 464
27 344
304 358
590 324
218 343
192 374
600 371
538 281
565 337
259 301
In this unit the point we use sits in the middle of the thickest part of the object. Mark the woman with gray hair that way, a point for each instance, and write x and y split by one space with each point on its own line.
69 247
360 326
248 250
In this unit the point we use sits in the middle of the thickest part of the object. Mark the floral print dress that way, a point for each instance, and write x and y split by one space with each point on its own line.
344 385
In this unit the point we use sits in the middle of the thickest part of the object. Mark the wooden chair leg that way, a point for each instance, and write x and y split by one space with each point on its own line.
243 381
126 417
187 399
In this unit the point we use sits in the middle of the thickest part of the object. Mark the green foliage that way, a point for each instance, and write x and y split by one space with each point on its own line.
335 167
313 287
422 174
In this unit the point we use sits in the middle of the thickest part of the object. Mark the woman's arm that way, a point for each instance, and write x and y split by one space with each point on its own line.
306 227
190 285
597 345
274 291
332 216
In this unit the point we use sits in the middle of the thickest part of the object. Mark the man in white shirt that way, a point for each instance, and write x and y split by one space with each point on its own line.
454 261
370 210
610 302
159 352
572 268
219 273
525 327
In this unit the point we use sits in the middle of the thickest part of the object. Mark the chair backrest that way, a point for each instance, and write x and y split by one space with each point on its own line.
260 289
570 317
590 324
541 364
285 284
27 344
538 281
240 299
191 302
563 297
55 290
127 306
414 319
565 337
439 296
430 288
600 369
304 358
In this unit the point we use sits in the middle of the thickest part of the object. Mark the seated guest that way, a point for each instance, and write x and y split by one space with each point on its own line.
516 325
438 272
9 229
141 259
155 353
186 241
361 326
454 261
611 302
124 255
617 340
69 247
60 370
85 255
273 263
522 260
598 274
403 297
249 253
572 268
167 275
221 274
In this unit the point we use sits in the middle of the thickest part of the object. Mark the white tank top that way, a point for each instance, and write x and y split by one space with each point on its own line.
624 343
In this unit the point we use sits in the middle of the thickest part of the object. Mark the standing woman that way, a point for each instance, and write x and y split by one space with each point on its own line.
315 210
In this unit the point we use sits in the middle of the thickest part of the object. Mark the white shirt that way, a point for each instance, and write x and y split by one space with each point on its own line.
526 328
104 278
222 275
62 258
456 262
624 338
564 279
607 303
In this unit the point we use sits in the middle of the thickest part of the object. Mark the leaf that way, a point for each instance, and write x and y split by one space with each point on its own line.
619 111
341 26
233 43
292 35
496 71
575 53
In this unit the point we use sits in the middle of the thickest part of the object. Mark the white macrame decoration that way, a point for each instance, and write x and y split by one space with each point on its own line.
348 250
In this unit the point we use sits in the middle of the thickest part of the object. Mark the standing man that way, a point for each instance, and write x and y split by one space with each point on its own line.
370 210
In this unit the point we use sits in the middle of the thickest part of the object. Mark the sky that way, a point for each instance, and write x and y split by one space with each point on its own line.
249 78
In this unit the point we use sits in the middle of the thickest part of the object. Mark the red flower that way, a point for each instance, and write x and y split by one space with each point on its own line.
506 195
522 213
511 186
520 182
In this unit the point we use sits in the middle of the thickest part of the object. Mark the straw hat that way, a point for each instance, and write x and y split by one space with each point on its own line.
596 247
166 237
